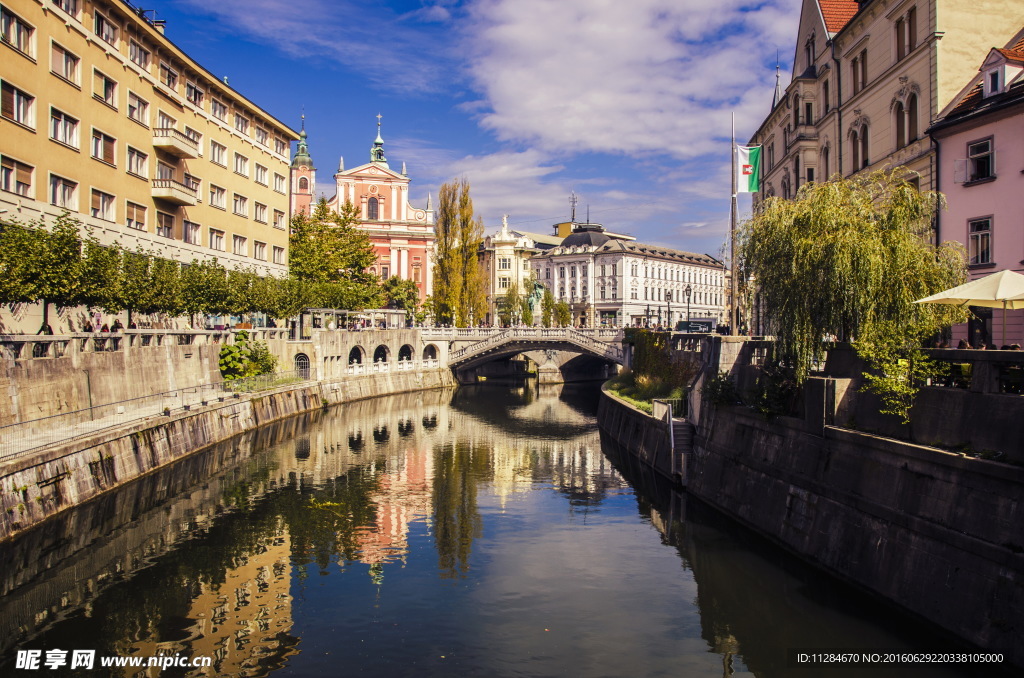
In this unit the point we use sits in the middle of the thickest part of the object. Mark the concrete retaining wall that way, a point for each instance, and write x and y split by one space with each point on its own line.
639 433
937 533
35 488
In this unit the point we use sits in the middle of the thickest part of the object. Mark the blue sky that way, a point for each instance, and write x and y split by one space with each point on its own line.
626 103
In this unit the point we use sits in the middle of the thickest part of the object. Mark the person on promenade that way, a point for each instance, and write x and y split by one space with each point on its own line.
117 326
963 344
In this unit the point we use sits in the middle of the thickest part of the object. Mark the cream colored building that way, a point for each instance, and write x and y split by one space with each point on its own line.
868 79
505 261
105 117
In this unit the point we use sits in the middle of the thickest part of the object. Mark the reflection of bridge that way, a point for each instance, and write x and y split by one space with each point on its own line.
476 345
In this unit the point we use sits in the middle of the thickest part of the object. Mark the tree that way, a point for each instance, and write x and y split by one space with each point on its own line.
526 312
547 307
401 294
327 248
847 258
509 305
563 314
459 291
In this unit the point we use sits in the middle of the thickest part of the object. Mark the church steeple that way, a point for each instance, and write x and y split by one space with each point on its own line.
778 85
377 151
302 156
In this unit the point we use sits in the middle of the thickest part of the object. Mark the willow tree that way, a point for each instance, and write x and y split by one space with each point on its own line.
847 259
459 296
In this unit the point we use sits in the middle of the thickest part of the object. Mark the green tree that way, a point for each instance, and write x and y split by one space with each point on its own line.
563 314
526 312
459 288
847 258
327 248
547 308
509 305
401 294
101 277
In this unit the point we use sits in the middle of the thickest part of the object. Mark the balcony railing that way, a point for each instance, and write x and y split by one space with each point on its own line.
174 192
176 143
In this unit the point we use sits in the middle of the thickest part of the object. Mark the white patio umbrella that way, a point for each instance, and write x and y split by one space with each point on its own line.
1004 289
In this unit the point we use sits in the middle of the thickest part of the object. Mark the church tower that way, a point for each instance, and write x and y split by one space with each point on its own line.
303 179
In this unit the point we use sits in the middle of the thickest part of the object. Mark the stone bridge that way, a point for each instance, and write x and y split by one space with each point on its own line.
472 346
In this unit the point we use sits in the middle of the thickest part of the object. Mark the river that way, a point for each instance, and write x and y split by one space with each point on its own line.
488 531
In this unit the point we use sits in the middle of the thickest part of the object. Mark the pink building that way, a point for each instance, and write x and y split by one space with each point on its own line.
402 235
980 138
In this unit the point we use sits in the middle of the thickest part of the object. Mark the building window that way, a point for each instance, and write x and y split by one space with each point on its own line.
135 216
503 283
216 240
192 182
168 76
912 118
69 6
164 225
16 32
859 147
901 125
105 89
824 162
979 157
194 136
194 94
278 255
242 123
102 205
138 109
241 165
304 185
504 264
280 147
219 110
139 54
278 219
241 205
17 105
164 171
190 232
262 137
901 38
218 154
62 193
106 29
15 177
137 162
372 209
63 128
980 247
261 174
239 246
218 197
64 64
103 147
279 184
259 250
859 71
259 212
825 97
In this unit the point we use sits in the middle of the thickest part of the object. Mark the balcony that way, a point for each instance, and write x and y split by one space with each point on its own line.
176 143
173 192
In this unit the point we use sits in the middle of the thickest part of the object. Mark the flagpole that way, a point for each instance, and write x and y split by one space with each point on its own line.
734 313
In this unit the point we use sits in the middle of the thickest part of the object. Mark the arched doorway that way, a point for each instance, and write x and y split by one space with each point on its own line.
302 365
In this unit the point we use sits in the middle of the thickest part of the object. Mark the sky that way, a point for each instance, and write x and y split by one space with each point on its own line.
626 104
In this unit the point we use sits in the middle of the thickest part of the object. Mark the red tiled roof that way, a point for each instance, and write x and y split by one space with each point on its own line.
837 13
1012 54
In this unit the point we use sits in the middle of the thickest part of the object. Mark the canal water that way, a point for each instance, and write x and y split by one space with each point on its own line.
489 531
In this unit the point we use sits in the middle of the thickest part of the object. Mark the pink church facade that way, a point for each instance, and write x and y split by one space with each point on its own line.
402 234
981 172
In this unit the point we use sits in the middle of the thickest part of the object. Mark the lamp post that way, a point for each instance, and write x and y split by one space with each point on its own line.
689 291
668 303
647 317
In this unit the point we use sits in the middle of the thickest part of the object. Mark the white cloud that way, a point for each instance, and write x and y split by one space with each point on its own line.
632 78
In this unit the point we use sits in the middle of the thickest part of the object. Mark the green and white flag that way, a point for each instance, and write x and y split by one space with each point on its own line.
748 169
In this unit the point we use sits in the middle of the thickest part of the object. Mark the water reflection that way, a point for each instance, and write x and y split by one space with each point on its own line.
481 533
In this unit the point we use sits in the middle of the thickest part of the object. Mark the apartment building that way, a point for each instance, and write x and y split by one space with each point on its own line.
103 116
869 77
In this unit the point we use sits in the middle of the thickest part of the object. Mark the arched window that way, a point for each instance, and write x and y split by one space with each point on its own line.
864 146
430 352
824 163
912 118
303 184
380 355
372 212
855 149
405 353
355 356
901 125
302 365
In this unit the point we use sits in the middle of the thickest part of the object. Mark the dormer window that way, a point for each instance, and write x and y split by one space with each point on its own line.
993 83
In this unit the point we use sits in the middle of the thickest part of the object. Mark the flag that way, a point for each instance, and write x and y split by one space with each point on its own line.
748 169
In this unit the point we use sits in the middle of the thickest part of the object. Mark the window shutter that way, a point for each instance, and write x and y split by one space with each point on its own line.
96 202
7 97
24 174
960 171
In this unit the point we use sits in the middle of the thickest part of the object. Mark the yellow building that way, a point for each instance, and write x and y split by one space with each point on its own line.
105 117
869 77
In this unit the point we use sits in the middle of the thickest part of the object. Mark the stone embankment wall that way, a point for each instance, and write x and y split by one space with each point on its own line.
639 433
937 533
35 488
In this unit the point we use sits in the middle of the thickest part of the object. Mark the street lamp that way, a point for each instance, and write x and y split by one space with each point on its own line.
668 302
689 291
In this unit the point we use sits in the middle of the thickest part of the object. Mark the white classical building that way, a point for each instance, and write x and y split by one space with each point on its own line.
505 260
614 282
